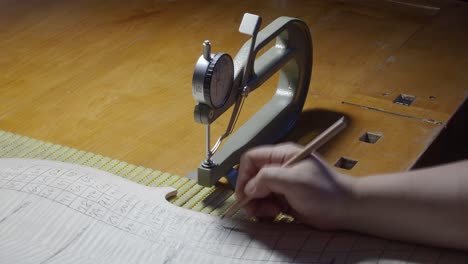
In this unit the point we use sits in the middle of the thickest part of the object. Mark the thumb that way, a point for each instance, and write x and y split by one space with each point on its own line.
270 179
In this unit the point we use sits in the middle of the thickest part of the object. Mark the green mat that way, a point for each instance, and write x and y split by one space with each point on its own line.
190 195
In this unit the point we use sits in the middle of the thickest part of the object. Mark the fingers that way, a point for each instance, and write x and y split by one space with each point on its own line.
268 208
269 179
252 161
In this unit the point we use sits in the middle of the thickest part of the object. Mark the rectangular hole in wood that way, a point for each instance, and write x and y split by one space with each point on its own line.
370 137
345 163
404 99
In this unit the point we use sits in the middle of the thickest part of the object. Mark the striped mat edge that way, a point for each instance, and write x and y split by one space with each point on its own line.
190 195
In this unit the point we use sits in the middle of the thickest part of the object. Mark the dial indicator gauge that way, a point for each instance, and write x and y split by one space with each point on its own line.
212 82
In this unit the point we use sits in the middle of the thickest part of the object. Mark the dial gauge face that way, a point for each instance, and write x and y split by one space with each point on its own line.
219 80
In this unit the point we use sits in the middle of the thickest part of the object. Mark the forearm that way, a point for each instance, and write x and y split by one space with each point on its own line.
429 205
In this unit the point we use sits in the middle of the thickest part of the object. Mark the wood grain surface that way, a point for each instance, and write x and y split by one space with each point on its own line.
114 77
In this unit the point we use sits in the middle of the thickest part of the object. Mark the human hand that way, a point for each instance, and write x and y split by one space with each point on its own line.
309 190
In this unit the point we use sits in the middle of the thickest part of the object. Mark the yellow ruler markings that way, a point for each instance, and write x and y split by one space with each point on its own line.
185 196
157 181
85 158
3 134
180 182
147 179
16 147
7 137
138 175
61 153
50 152
27 151
199 196
40 149
9 146
190 195
135 172
129 171
15 150
171 181
118 167
93 160
179 185
207 200
164 180
29 147
182 190
6 145
101 163
144 175
75 156
125 169
109 165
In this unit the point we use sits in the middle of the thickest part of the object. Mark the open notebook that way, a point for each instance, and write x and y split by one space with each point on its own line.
54 212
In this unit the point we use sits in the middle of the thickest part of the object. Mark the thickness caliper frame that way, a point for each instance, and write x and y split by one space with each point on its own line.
292 57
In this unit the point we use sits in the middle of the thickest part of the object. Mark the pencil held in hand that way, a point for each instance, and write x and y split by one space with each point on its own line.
313 145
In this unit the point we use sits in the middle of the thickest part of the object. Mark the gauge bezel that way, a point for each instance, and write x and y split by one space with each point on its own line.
203 75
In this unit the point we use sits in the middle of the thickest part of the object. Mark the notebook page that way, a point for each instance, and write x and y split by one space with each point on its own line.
53 212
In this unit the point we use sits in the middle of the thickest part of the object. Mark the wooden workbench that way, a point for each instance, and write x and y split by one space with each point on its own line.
114 77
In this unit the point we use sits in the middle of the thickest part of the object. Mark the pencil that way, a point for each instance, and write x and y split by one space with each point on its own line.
313 145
